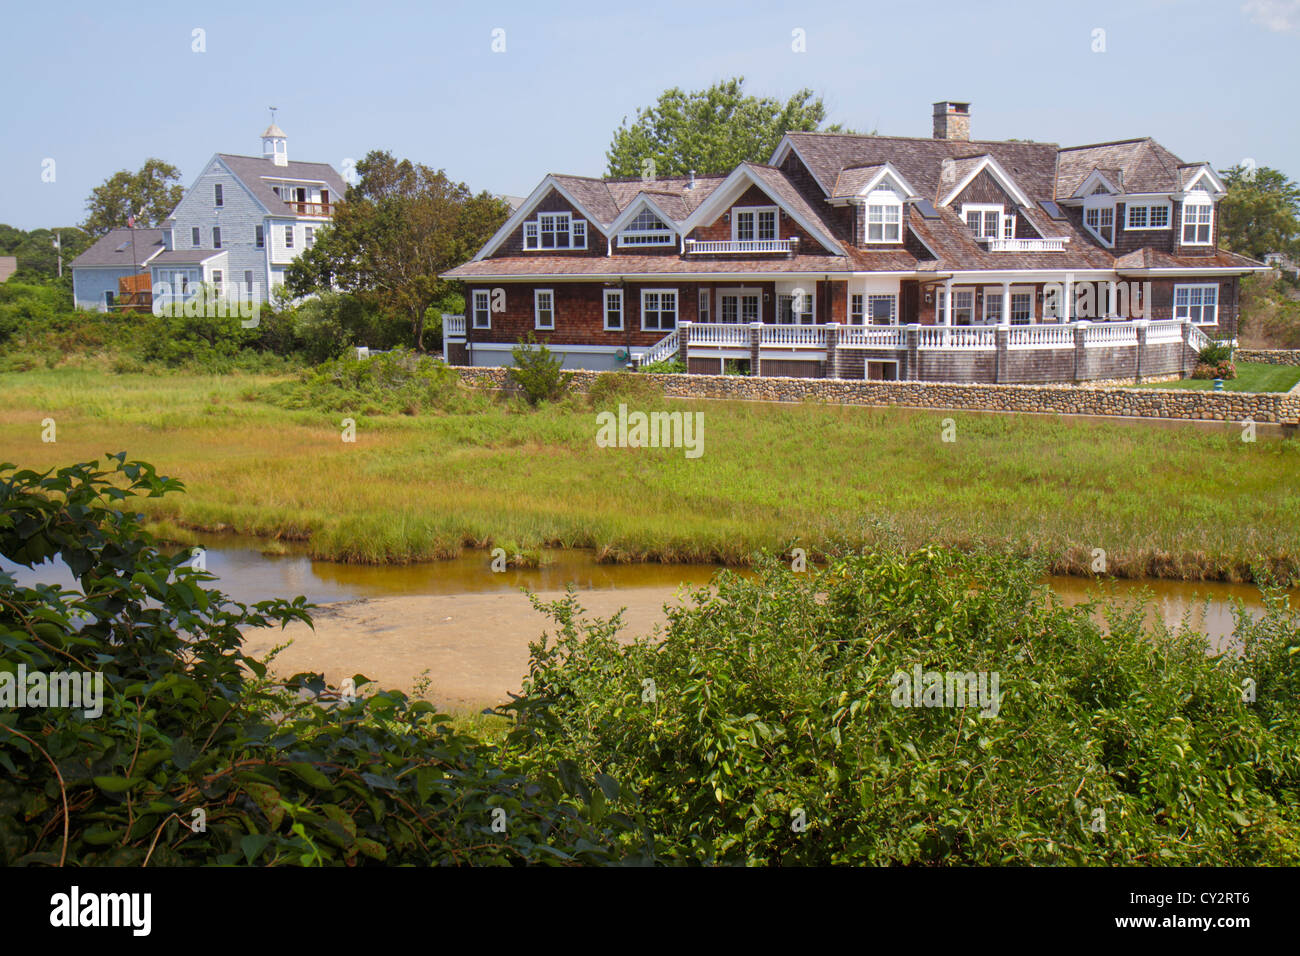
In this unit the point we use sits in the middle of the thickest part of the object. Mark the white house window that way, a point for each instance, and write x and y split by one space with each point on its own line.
963 307
543 308
993 307
1199 303
757 223
216 237
1147 216
856 308
795 308
658 310
555 230
482 309
703 312
1197 210
288 237
984 220
883 309
1022 308
217 198
311 236
613 310
1100 221
195 239
1008 227
259 236
884 217
646 229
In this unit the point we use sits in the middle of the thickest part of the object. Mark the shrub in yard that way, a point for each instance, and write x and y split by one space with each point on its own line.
386 383
1223 369
775 722
538 371
192 730
611 388
1217 352
667 367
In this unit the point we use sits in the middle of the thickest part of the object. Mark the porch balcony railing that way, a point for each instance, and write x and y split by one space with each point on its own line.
1197 339
872 337
323 209
662 350
1027 245
793 336
957 337
740 246
1165 331
453 326
1110 333
1040 337
719 335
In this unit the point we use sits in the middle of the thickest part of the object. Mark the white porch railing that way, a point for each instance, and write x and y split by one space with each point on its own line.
453 326
719 334
712 247
1110 334
794 336
1197 339
957 337
1160 332
1027 245
869 337
1040 337
662 350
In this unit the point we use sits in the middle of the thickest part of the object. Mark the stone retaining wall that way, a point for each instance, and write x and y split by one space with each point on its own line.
1278 407
1268 356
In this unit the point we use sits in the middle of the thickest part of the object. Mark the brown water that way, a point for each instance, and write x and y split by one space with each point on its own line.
248 575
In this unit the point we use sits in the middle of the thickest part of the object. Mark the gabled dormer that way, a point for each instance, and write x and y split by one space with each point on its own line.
643 225
553 220
756 210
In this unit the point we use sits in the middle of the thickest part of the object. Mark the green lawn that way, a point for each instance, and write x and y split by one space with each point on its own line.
1159 500
1251 377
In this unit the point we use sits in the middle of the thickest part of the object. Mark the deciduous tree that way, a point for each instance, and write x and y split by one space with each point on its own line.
1261 212
150 194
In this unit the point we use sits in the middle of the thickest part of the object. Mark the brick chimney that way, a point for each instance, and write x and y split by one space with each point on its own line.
952 120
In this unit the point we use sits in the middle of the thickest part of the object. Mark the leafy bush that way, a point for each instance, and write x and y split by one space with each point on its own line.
1223 369
537 371
396 382
611 388
762 729
292 774
667 367
1217 352
736 367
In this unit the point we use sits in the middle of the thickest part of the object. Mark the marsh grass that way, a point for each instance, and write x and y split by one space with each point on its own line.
1170 502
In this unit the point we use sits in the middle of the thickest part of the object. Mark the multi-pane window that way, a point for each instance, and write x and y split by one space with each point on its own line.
703 311
1196 221
555 230
659 309
984 221
753 224
884 217
856 308
216 237
1199 303
482 309
993 307
1147 216
259 236
1022 308
195 239
963 307
217 198
288 237
1008 227
1101 221
795 308
883 309
544 308
646 229
613 310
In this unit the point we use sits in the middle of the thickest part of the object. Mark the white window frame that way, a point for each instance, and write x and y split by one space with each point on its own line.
1008 226
993 304
1021 294
740 295
259 237
857 308
703 309
1198 201
309 237
288 237
1096 231
958 296
660 311
1147 208
538 309
738 211
884 211
613 302
808 316
647 237
869 316
984 208
484 309
196 237
218 196
1202 288
563 223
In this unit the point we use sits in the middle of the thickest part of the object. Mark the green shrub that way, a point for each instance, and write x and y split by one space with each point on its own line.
667 367
396 382
538 372
763 728
291 774
611 388
1218 351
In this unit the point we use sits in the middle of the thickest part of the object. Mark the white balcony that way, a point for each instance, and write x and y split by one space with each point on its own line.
1027 245
741 246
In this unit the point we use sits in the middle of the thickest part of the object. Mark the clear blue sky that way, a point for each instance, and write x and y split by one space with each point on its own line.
100 87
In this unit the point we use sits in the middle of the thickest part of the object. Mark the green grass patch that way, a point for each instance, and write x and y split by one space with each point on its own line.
1251 377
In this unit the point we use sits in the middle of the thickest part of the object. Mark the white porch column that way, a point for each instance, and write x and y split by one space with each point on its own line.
947 300
1067 305
1110 300
1006 304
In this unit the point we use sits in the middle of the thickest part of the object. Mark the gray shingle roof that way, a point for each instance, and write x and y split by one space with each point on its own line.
1141 165
114 249
252 169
